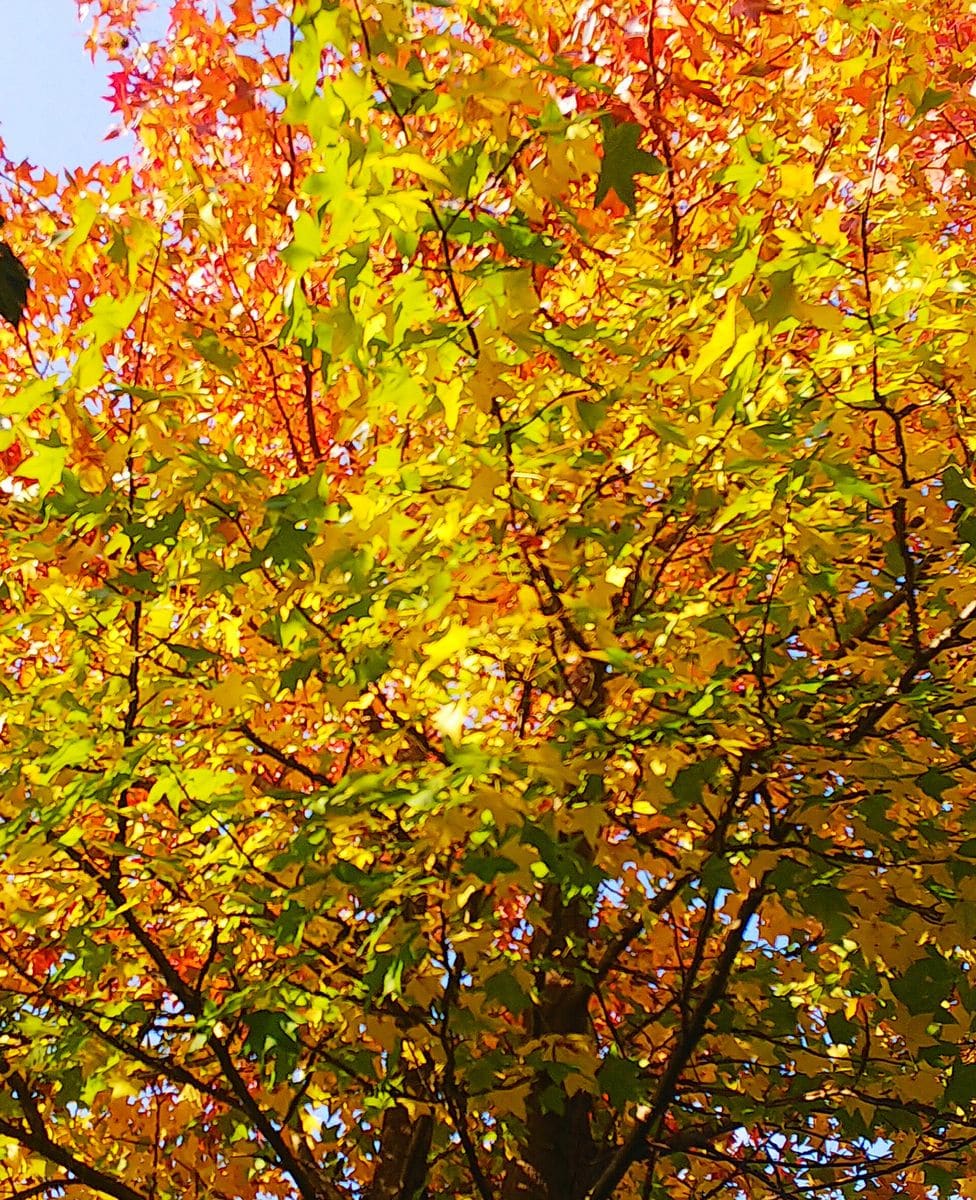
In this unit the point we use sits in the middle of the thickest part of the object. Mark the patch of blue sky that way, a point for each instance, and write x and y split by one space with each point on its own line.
54 106
53 110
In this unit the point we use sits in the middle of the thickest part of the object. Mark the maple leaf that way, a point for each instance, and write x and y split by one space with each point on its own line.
14 285
622 160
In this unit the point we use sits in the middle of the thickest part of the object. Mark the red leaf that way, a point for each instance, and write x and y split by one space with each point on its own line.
691 87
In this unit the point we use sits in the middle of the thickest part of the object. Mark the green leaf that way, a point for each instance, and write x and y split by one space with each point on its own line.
158 531
504 989
931 99
14 284
522 242
109 316
271 1037
849 485
306 245
690 780
44 465
957 488
925 984
934 783
297 672
209 347
193 655
486 868
621 1079
622 160
961 1088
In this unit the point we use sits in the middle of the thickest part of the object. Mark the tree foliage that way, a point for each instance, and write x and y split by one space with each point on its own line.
488 603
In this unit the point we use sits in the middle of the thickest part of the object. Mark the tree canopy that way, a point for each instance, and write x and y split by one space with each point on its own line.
487 525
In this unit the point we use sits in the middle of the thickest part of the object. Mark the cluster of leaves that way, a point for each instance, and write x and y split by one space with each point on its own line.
488 599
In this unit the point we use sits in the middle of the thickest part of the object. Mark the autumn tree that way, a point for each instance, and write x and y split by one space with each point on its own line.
487 527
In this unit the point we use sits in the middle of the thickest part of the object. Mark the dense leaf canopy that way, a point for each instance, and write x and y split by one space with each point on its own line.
487 523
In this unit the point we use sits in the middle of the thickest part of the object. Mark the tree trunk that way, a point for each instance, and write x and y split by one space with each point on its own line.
557 1161
405 1144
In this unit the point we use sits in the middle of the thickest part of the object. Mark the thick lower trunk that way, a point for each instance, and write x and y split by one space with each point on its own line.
557 1161
401 1173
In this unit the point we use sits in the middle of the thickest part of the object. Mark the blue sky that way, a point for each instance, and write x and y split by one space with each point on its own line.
51 106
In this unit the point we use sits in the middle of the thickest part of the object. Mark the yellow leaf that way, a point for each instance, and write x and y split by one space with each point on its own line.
444 648
797 180
232 691
408 161
362 507
719 344
510 1101
449 721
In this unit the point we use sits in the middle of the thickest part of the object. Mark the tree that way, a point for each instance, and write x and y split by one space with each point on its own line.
488 609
